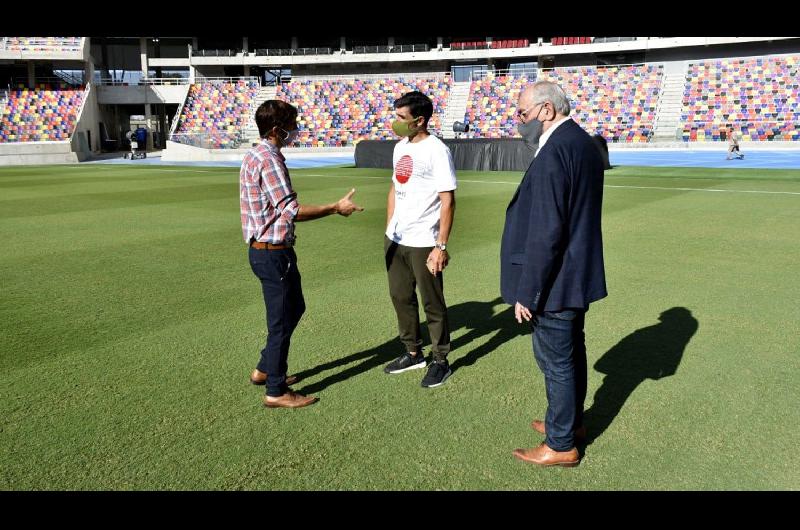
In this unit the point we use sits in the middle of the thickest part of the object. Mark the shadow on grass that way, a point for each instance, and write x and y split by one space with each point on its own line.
653 352
478 317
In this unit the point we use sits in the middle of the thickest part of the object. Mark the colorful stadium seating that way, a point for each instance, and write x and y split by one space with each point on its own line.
216 112
42 43
617 102
758 96
494 44
342 111
42 113
491 105
562 41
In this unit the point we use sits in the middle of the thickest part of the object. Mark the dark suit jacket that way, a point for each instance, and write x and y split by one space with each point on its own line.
551 255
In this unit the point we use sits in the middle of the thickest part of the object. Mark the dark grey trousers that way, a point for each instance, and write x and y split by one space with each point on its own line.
408 271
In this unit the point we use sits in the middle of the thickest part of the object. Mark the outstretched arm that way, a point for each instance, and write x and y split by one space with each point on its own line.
344 206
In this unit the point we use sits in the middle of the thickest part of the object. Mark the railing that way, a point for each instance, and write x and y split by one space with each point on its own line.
50 80
218 53
285 52
177 117
399 75
70 78
198 79
80 109
143 81
689 123
518 72
692 62
172 80
477 75
213 140
394 48
615 39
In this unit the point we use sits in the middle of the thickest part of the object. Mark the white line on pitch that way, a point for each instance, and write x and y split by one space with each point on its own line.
605 185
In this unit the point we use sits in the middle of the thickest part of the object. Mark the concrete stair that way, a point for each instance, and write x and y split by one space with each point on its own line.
456 107
668 112
251 129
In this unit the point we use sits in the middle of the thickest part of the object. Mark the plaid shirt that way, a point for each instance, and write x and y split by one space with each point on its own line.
267 201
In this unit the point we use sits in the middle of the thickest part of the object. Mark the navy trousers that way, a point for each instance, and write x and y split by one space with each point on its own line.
559 347
283 298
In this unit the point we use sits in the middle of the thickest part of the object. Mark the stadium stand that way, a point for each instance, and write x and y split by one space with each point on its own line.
491 104
341 111
41 113
486 44
563 41
759 96
215 113
617 102
40 43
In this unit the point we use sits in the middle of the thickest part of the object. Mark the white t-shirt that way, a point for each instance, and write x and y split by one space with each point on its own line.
421 171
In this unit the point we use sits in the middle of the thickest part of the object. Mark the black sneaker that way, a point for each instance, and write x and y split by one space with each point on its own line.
405 362
438 372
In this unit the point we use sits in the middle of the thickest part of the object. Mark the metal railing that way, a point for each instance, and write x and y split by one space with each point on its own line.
286 52
143 81
218 53
395 76
173 80
394 48
477 75
200 79
80 109
539 72
723 122
698 62
212 140
50 80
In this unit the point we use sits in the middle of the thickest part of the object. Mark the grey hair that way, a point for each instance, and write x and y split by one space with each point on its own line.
547 91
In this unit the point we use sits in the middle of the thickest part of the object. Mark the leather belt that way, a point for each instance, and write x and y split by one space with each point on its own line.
268 246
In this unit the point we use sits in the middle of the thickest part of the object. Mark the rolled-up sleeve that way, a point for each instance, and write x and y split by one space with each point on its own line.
277 186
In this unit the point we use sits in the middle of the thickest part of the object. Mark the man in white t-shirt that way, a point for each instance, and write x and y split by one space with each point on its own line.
420 210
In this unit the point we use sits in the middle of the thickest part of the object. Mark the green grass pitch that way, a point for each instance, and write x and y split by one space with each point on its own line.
130 321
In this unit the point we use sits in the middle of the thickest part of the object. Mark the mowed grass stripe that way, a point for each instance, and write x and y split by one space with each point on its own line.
132 330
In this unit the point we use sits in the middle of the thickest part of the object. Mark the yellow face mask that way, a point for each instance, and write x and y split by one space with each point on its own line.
404 128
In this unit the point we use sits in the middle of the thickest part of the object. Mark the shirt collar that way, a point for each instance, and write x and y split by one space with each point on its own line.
272 149
546 135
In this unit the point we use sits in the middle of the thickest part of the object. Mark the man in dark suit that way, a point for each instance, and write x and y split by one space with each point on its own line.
551 263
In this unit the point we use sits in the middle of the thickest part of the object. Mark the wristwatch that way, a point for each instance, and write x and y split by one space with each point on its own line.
441 246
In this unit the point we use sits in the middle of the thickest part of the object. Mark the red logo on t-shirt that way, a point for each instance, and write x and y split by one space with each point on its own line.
403 169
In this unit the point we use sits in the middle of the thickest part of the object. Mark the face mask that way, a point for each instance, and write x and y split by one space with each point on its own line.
531 132
290 137
403 128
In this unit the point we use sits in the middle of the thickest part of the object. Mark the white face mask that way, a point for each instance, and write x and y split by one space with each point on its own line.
290 137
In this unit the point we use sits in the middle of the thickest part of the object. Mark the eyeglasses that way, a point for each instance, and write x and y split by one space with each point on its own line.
524 113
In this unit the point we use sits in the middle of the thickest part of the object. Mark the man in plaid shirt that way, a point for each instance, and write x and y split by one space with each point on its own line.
269 210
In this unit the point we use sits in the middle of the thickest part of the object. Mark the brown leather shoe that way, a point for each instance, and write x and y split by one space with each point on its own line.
542 455
290 400
538 426
260 378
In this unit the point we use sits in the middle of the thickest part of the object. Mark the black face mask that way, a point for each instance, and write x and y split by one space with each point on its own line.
531 132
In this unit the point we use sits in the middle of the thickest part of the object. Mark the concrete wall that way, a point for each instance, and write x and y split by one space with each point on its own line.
176 152
28 153
88 121
141 94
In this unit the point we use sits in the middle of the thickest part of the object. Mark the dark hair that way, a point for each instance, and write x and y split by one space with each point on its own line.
418 104
274 112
